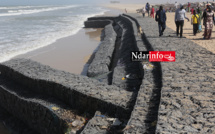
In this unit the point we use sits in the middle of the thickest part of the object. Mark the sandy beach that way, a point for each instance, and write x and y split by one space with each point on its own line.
188 32
131 8
70 53
188 28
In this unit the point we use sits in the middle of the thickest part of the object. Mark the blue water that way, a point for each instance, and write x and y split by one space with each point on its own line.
26 28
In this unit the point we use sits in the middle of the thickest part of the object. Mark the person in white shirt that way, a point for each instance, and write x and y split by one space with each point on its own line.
176 5
180 15
143 11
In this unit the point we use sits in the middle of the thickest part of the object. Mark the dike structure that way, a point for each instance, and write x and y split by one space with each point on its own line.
185 87
167 98
50 101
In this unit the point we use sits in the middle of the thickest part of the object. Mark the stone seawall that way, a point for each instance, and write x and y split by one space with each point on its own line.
124 65
128 39
80 92
98 22
10 124
170 99
186 90
102 61
159 98
50 92
105 91
32 80
144 115
114 57
35 112
100 67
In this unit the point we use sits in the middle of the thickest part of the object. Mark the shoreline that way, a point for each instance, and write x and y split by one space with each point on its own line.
92 37
162 86
70 53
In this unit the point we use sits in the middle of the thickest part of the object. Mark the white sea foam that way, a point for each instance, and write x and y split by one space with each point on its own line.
42 32
20 11
23 7
7 54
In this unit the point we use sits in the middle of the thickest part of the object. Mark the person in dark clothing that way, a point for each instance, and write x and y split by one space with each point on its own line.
209 21
160 17
147 8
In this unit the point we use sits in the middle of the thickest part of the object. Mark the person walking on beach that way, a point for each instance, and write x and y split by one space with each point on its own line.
180 14
192 10
199 12
152 12
147 8
160 17
195 22
188 6
176 5
208 17
143 12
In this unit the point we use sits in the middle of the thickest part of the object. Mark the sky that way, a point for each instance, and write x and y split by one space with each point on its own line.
64 2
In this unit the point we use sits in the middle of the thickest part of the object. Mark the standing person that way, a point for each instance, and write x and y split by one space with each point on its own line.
188 6
195 22
176 5
199 12
160 17
180 14
143 12
192 10
208 17
152 12
125 10
148 8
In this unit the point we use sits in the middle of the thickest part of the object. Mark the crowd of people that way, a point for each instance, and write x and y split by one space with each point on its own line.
198 14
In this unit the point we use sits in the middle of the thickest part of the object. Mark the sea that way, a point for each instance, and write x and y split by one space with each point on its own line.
26 28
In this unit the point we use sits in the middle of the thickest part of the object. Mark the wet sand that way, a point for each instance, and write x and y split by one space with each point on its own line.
71 54
68 54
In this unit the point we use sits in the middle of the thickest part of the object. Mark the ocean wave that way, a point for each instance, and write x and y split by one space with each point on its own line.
31 11
44 34
9 51
12 11
21 7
